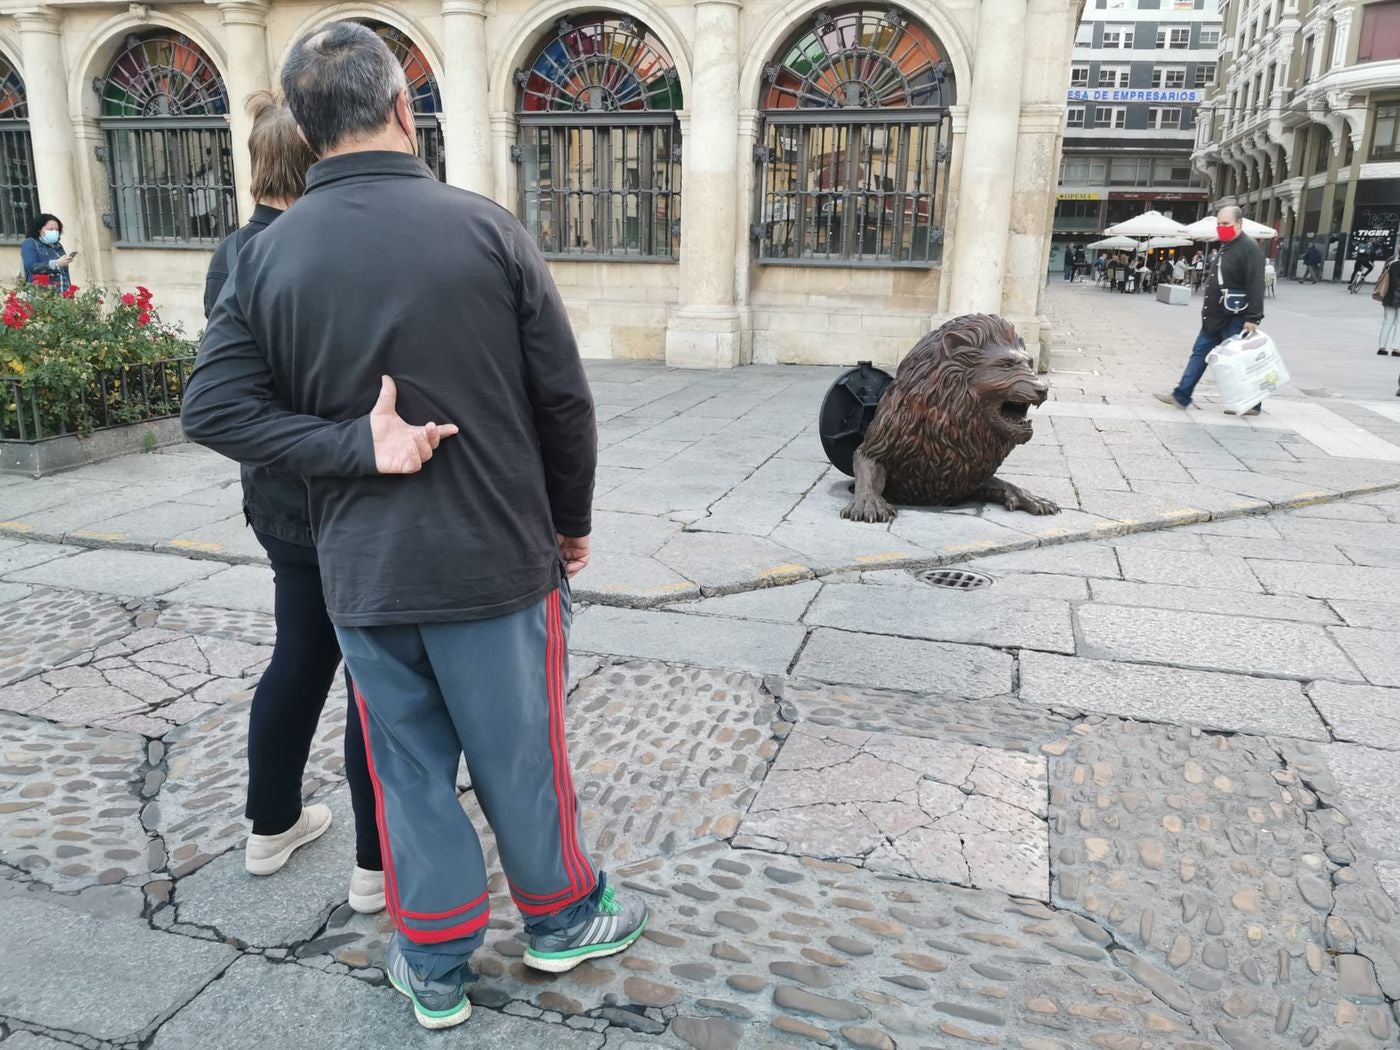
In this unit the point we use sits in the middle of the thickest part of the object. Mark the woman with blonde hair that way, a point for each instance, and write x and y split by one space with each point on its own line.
288 701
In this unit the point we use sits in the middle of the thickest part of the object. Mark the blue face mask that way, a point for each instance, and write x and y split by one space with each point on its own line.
51 236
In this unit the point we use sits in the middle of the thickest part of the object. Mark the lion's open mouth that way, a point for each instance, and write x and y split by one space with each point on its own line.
1016 413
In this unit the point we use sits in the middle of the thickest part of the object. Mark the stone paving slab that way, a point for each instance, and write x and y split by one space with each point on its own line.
258 996
885 662
102 978
711 641
48 628
1359 714
240 587
1212 600
133 574
1232 702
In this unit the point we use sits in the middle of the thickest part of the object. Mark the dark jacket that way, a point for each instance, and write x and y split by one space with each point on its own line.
40 258
1241 264
1312 257
1392 292
382 270
273 503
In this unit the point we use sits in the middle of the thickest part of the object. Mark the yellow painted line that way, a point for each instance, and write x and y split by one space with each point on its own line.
875 559
788 569
980 545
194 545
111 536
17 526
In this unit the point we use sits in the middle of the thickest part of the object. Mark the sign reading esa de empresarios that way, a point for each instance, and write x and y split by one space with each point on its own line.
1179 95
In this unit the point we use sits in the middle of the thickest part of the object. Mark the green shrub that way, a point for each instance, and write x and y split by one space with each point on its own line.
78 357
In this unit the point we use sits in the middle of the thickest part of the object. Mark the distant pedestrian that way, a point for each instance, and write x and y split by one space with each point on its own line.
1179 270
1081 263
43 256
1069 265
1234 302
1312 265
292 691
1387 293
448 586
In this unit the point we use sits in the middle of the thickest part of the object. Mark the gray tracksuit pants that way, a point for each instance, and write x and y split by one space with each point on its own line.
492 690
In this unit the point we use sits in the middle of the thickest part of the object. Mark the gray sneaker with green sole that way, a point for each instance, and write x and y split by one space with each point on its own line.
436 1004
617 923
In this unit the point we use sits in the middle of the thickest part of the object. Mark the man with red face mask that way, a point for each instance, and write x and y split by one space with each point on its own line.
1234 301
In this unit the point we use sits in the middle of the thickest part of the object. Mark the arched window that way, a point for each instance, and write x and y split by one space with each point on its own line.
853 158
423 91
599 142
19 195
169 156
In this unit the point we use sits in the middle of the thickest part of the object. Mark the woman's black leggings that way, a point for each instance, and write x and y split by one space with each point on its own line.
288 701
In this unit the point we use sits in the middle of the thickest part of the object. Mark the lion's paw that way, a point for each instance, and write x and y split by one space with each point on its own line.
873 510
1033 504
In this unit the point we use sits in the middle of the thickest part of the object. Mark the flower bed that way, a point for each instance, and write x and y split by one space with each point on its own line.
86 360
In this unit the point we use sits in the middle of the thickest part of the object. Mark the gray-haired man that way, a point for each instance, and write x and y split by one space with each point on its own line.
448 588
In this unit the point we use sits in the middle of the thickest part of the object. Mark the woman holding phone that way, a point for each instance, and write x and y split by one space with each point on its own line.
43 254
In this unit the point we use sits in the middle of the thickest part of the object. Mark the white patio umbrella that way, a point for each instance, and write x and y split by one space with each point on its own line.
1148 224
1115 244
1170 242
1204 230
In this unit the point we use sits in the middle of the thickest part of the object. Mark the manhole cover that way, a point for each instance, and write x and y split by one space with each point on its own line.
955 579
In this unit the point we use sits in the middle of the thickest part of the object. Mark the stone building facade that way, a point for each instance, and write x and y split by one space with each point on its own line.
715 182
1303 130
1140 69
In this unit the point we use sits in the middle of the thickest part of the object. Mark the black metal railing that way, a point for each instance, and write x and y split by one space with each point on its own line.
32 410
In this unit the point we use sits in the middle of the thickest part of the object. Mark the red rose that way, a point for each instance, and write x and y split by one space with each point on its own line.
128 299
72 291
43 280
143 295
143 318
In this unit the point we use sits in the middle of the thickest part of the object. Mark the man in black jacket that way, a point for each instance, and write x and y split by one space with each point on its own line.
447 587
1239 268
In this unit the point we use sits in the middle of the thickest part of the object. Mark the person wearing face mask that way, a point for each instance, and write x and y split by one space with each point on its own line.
1234 302
43 256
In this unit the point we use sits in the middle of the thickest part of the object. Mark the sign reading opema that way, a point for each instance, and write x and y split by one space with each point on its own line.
1134 95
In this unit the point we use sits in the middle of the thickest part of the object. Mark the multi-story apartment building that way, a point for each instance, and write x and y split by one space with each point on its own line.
1303 129
1140 69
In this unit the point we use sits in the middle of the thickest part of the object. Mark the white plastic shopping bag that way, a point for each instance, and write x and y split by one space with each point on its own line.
1247 369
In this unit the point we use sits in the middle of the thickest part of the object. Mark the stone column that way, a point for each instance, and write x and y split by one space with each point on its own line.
951 195
704 330
993 125
247 71
506 171
466 118
50 122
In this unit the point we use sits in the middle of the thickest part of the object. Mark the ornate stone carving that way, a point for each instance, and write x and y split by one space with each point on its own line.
956 409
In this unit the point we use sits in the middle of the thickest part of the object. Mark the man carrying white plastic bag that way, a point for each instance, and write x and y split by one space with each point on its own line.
1247 368
1234 303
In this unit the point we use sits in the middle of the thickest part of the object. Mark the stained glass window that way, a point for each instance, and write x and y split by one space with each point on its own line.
422 91
600 143
854 155
168 150
19 196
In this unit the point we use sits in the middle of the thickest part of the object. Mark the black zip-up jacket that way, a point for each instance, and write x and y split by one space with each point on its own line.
382 270
1241 263
274 504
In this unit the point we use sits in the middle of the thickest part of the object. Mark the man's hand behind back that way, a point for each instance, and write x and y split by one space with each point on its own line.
398 447
574 550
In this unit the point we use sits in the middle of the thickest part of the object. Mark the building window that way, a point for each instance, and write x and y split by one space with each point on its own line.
1074 117
1177 38
1163 117
169 156
1110 116
1083 171
424 93
1079 76
1118 36
1309 49
19 197
1204 76
600 145
1385 140
1114 76
1210 36
854 156
1169 77
1084 35
1380 32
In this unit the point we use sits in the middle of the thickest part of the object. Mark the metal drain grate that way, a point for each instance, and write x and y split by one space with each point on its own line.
955 579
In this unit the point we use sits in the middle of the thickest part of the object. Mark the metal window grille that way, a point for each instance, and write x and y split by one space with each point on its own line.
170 182
868 191
430 147
854 154
19 193
423 92
599 147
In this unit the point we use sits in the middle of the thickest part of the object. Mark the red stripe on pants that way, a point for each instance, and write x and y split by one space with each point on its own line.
391 884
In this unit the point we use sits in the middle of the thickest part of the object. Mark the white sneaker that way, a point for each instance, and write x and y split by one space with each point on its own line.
265 854
366 890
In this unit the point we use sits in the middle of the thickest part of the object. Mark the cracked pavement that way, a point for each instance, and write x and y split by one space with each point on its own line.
1137 793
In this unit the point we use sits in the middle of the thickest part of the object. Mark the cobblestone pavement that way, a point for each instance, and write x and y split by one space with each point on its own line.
1138 792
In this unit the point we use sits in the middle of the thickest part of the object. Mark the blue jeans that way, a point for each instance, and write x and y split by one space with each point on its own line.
1196 366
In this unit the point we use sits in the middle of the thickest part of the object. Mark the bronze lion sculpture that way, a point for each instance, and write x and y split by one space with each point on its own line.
958 405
